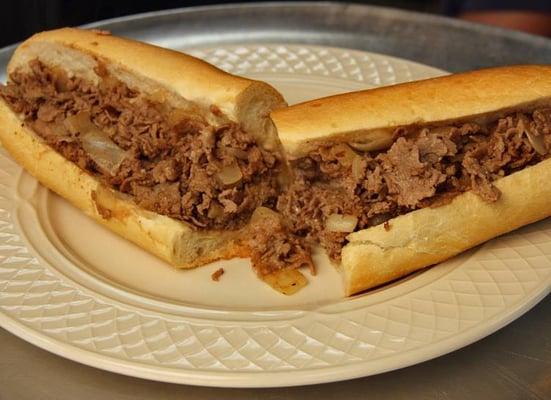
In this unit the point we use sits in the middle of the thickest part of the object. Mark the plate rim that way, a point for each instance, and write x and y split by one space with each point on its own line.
284 378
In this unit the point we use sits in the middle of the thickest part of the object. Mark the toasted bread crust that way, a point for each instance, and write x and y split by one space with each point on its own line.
371 116
430 235
171 240
427 236
181 80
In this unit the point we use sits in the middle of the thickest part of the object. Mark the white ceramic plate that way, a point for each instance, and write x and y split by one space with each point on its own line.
73 288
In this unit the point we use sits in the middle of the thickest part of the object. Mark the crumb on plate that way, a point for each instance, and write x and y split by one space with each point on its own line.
217 274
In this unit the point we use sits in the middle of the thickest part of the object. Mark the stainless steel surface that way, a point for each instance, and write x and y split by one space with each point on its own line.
514 363
442 42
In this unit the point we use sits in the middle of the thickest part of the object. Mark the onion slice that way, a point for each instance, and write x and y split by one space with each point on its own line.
99 146
79 123
215 211
96 143
361 146
341 223
103 150
230 174
537 142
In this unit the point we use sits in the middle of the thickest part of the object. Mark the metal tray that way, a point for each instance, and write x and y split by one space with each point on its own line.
449 44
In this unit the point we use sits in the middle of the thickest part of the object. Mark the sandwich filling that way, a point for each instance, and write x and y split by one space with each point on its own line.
168 160
179 163
339 190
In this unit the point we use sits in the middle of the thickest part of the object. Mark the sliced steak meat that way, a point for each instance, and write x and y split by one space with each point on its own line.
425 167
163 198
273 247
305 208
175 163
407 178
173 160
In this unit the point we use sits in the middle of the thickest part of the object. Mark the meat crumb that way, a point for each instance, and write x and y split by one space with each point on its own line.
217 274
386 225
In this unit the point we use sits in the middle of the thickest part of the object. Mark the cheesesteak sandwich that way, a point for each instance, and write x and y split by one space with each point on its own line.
162 148
185 160
395 179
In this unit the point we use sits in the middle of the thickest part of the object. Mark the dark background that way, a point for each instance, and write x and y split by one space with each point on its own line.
21 18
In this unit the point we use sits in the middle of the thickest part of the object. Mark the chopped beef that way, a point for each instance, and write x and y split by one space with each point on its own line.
174 163
480 178
172 159
273 247
409 180
425 167
215 276
305 208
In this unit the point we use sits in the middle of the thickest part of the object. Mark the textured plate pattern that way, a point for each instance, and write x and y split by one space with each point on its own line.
361 336
371 69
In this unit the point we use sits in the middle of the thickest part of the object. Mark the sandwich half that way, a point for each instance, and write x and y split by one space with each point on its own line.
395 179
162 148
